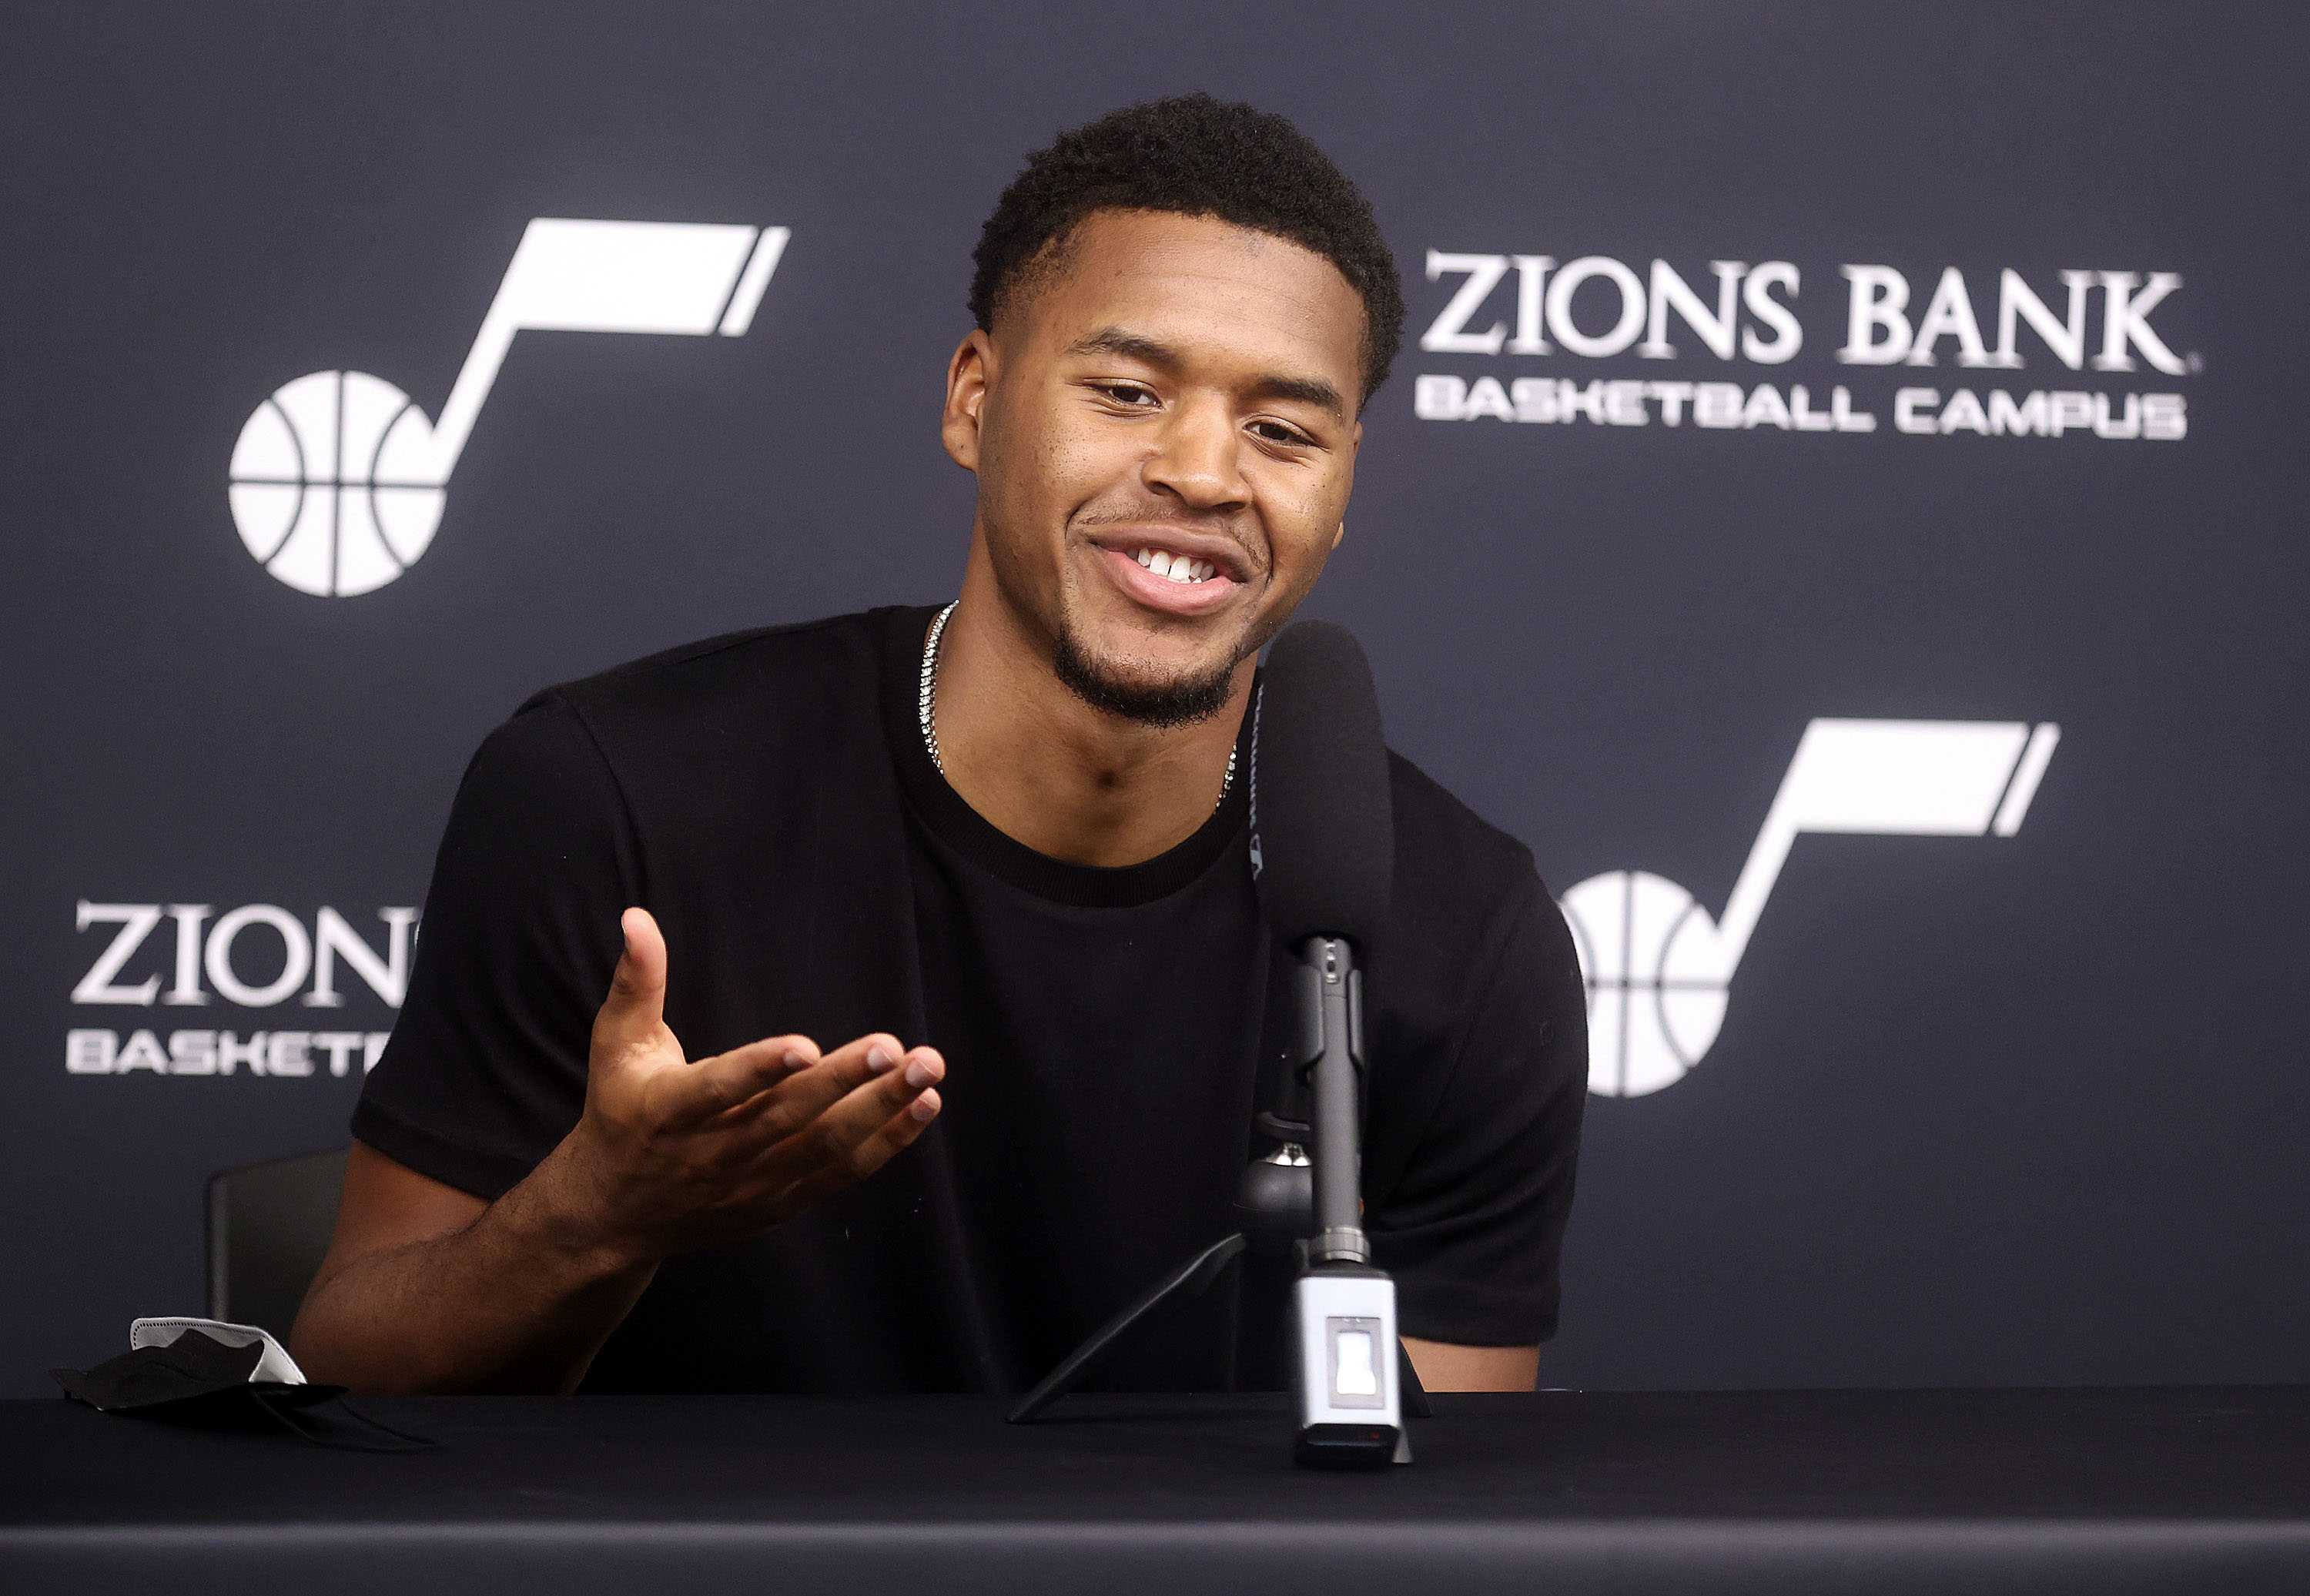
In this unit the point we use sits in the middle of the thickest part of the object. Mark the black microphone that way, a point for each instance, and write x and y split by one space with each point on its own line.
1323 832
1323 855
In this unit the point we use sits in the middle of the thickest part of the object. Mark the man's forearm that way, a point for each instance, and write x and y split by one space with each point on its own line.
1446 1366
428 1287
510 1302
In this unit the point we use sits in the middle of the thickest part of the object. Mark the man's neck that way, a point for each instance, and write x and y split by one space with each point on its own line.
1048 769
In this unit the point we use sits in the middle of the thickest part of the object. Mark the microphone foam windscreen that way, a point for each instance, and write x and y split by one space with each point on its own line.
1323 833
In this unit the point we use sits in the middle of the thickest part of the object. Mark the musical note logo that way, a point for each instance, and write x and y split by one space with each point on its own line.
1658 970
339 479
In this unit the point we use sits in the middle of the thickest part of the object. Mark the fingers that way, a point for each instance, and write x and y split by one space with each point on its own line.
846 1123
862 1157
635 1009
798 1108
838 1074
730 1079
804 1083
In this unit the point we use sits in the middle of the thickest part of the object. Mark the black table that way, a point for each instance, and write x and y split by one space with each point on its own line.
2204 1489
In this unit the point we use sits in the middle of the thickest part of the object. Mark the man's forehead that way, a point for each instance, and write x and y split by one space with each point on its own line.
1185 282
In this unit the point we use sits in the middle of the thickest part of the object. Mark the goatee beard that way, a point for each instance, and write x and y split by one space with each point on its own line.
1180 702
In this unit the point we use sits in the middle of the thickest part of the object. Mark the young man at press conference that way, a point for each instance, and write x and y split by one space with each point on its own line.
937 1031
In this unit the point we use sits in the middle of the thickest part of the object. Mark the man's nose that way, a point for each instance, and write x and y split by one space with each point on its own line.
1198 459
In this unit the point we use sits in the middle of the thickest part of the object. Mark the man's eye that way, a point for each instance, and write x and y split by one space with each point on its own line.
1277 433
1125 394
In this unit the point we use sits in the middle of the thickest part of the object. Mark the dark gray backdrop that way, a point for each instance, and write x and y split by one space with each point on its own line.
1981 1109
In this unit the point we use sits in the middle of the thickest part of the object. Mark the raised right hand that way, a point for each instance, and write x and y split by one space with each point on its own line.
671 1154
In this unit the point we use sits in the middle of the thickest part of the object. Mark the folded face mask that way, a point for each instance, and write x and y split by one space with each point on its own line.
218 1377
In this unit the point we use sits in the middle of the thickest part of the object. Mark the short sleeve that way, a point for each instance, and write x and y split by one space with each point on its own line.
1473 1230
486 1071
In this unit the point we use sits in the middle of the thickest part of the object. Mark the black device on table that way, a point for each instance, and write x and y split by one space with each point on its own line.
1323 853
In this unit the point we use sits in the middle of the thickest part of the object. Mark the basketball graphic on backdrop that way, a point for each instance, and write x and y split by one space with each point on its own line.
329 483
1659 968
338 481
1652 962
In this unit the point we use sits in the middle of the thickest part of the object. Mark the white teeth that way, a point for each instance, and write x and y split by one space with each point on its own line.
1176 567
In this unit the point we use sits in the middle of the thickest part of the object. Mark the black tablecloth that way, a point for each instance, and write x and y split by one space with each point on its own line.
2090 1491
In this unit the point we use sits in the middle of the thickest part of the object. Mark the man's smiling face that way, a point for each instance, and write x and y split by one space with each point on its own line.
1163 426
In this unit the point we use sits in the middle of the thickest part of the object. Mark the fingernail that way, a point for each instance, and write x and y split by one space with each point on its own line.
878 1060
922 1108
922 1072
794 1061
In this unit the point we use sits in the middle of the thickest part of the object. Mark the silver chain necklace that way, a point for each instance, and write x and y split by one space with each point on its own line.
926 700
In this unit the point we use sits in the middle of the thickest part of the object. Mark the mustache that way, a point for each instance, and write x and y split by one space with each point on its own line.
1231 525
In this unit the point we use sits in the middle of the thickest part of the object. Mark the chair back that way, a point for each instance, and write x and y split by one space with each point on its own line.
269 1227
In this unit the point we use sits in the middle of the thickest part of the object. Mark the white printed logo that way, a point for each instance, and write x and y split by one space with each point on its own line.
1755 319
131 973
339 479
1658 970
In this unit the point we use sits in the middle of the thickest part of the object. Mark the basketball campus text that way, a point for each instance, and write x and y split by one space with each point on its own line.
1522 307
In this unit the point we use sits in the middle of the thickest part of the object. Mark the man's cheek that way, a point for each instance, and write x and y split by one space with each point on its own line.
1073 473
1314 533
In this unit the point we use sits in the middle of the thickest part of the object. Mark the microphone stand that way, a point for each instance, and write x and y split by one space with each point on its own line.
1350 1411
1350 1394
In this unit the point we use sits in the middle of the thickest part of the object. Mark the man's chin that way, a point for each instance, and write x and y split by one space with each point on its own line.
1178 700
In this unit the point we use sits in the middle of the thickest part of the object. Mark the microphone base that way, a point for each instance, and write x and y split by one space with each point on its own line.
1350 1446
1347 1381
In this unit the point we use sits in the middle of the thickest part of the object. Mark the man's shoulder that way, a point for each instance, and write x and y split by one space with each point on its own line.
799 664
1444 849
730 720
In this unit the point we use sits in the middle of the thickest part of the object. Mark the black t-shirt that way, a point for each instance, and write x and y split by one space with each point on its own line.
1107 1032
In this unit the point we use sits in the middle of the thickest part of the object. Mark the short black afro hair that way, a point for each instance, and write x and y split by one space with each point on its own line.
1195 156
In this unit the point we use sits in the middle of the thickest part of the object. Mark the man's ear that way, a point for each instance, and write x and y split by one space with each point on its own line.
967 376
1339 534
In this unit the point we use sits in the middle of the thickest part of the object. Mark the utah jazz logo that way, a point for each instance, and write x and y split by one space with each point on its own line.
1660 971
339 481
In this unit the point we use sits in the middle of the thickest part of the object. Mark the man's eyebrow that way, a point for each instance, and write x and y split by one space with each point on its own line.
1154 351
1131 346
1306 390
